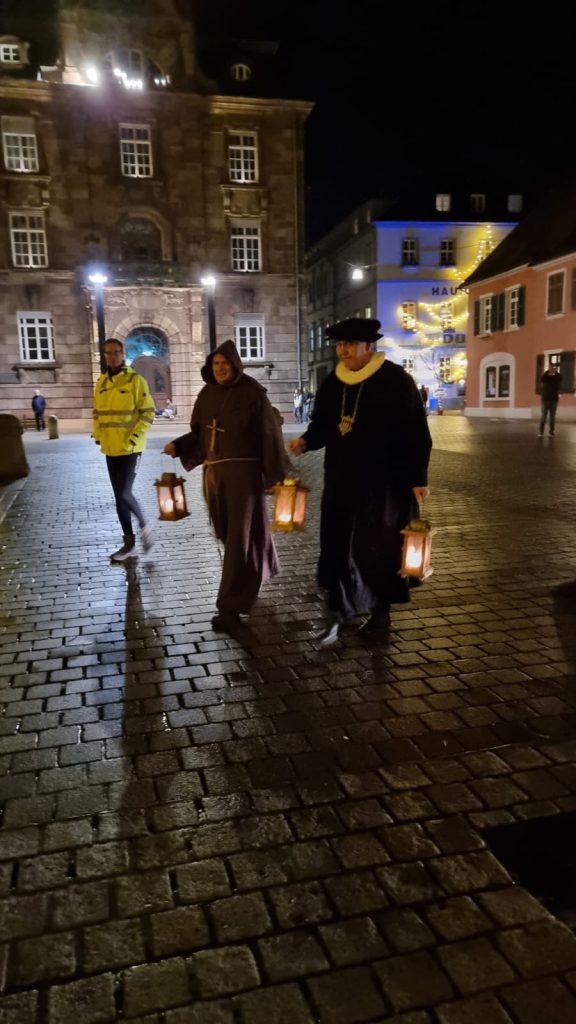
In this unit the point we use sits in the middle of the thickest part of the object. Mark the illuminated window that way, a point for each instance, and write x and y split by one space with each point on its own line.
249 336
243 156
408 316
311 337
447 252
444 368
443 202
514 203
447 316
514 313
136 150
19 144
477 202
368 312
10 53
36 335
319 336
246 247
555 300
241 72
409 252
28 238
408 365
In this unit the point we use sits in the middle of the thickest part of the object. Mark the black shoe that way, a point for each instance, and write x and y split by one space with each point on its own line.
226 622
379 621
329 635
126 551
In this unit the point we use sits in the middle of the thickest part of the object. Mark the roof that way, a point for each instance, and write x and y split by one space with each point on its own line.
548 232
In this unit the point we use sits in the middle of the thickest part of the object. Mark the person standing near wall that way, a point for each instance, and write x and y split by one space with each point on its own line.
39 408
551 381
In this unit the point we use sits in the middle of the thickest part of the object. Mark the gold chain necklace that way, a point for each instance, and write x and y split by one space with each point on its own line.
347 422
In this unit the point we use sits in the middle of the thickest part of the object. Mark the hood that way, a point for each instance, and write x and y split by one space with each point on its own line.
230 352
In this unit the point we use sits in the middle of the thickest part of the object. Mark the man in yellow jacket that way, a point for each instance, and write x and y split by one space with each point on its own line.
123 414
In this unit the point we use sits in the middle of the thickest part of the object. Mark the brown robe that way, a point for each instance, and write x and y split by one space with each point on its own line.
235 433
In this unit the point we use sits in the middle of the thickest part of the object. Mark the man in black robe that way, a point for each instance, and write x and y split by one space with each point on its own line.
235 433
369 417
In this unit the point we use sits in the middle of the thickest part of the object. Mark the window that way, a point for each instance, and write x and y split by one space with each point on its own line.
311 337
241 72
447 316
443 202
36 337
497 381
477 202
447 252
19 144
555 301
10 53
140 240
368 312
408 365
245 240
486 303
28 238
249 336
136 150
514 317
408 316
409 252
444 368
554 360
243 156
319 336
514 204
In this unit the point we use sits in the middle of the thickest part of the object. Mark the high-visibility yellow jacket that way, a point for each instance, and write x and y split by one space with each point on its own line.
123 412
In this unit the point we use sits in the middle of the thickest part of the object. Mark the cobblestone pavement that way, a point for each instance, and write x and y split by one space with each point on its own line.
212 830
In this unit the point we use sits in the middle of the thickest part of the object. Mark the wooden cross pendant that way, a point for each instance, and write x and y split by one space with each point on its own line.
212 426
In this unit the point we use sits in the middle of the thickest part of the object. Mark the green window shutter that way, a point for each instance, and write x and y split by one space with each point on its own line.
539 372
567 360
521 305
476 317
494 314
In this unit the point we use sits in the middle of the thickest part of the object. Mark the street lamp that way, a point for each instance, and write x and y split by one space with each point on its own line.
209 283
98 280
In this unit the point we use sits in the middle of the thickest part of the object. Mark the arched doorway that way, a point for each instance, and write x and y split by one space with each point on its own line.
148 353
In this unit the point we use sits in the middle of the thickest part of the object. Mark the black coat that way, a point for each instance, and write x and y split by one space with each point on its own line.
369 475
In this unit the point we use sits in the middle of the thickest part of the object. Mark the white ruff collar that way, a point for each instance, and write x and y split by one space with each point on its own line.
358 376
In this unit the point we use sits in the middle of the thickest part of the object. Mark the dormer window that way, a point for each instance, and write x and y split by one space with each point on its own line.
134 69
477 202
443 202
241 72
13 52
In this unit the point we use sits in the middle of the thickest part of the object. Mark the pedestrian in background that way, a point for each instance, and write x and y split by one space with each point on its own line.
424 396
39 407
369 418
235 434
551 381
123 414
298 405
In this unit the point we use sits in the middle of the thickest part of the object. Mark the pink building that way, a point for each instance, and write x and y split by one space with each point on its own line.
522 305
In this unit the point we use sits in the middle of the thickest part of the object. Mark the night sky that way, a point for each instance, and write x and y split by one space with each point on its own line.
413 95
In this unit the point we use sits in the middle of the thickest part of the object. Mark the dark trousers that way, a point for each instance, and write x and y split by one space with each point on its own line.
122 471
549 406
39 417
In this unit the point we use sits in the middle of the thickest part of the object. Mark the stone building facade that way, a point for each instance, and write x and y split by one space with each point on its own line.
119 157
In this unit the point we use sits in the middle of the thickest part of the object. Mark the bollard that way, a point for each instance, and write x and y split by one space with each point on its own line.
13 464
52 428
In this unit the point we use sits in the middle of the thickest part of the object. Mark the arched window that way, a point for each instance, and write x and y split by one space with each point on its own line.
140 240
146 341
134 69
240 71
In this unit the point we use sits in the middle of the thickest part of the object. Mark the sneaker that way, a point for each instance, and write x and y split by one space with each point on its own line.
329 635
147 538
126 551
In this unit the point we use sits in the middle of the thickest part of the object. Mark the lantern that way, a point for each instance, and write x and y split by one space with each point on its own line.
417 549
290 505
171 497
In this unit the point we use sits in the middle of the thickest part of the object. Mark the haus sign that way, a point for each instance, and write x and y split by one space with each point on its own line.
444 291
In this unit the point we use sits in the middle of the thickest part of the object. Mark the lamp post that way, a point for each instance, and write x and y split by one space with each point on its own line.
209 283
98 280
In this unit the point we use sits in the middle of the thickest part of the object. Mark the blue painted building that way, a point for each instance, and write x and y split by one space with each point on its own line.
403 263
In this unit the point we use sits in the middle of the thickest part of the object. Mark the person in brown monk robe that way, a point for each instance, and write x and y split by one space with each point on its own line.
235 434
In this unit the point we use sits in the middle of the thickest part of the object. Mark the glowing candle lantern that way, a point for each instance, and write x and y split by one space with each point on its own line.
290 505
417 549
171 497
